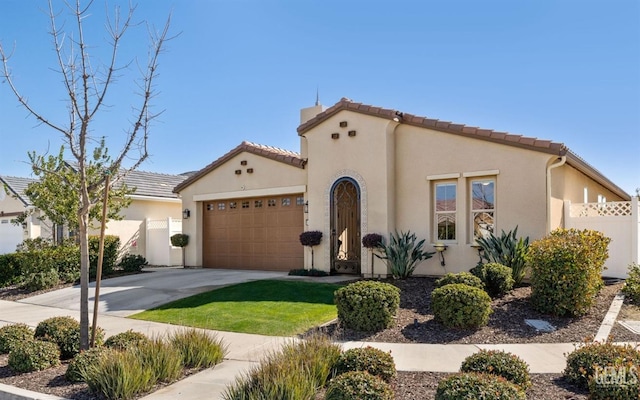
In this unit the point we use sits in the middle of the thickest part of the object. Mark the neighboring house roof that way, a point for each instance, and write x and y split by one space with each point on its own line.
530 143
17 186
274 153
153 184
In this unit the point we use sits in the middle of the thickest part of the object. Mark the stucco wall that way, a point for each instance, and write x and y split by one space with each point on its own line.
223 182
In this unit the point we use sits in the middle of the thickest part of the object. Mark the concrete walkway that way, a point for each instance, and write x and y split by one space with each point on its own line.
245 350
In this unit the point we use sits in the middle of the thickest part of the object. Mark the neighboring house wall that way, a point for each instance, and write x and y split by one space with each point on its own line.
270 177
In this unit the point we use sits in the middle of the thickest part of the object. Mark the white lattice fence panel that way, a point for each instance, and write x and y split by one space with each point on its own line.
154 224
610 209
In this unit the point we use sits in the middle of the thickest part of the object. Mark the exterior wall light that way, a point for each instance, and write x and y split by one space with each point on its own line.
306 207
441 248
186 213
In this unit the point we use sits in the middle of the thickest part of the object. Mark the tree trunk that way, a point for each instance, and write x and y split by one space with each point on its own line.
83 235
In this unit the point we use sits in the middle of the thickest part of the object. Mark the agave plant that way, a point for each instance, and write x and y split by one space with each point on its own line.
507 250
403 253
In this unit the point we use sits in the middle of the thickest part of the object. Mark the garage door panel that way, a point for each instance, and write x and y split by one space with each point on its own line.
255 233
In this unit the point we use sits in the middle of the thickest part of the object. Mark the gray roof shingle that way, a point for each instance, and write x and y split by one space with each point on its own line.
17 186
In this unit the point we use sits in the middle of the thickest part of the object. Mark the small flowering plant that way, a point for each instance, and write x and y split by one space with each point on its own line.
372 240
311 238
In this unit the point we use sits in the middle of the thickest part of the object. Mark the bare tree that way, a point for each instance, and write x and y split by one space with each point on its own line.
86 88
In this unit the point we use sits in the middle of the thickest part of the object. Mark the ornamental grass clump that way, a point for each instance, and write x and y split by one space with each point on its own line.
500 363
199 349
566 271
10 335
163 359
367 306
119 375
79 363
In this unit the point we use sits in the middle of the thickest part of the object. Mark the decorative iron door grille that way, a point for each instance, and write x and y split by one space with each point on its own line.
345 227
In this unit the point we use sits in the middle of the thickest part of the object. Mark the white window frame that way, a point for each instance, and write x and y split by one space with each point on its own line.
453 212
474 211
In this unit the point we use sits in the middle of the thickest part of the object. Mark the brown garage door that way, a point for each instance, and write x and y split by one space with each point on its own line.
255 233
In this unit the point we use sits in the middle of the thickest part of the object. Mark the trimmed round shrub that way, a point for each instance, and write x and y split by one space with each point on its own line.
374 361
42 280
471 385
12 334
132 263
126 340
367 306
501 363
566 271
461 306
497 278
582 362
33 355
65 332
631 288
616 382
358 385
461 277
79 363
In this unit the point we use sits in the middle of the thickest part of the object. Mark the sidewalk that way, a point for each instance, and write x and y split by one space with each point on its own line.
246 350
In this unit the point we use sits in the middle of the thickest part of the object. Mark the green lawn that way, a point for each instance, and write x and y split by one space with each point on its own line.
268 307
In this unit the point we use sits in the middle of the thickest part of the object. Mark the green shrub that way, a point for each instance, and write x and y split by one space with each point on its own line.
367 305
566 270
293 373
179 240
508 251
110 255
506 365
65 332
308 272
63 258
496 277
118 375
126 340
369 359
402 254
12 334
199 349
10 272
461 277
582 362
616 382
358 385
472 385
33 355
132 263
164 360
41 280
461 306
79 363
631 287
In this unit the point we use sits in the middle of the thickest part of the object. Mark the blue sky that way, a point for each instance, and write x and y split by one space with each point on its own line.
241 70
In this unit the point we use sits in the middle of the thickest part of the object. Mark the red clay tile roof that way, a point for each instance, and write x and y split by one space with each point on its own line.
274 153
530 143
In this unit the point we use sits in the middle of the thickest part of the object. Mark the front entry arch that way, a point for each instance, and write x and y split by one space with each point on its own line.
345 227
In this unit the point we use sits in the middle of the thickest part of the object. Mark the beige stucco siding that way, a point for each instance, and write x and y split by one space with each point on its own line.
268 175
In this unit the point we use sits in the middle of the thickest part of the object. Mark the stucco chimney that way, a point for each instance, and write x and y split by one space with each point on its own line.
308 113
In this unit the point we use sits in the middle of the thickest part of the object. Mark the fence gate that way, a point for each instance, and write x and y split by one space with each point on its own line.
158 244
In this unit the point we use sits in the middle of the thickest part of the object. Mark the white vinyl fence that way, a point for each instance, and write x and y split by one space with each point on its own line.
158 247
617 220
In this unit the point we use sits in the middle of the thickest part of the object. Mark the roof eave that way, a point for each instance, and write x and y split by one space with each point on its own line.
578 163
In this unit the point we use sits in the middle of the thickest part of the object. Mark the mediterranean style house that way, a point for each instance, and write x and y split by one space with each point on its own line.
363 169
153 215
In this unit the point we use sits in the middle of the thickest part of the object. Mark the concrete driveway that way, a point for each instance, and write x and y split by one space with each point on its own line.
131 294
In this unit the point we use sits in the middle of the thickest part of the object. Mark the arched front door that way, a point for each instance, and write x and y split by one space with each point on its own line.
345 227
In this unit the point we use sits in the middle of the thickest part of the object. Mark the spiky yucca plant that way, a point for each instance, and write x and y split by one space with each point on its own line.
403 253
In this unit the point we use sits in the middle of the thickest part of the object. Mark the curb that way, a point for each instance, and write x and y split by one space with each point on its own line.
13 393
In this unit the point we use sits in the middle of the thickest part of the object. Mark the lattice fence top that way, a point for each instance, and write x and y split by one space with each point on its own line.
610 209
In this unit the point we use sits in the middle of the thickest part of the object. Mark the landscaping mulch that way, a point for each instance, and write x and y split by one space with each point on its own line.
415 322
628 312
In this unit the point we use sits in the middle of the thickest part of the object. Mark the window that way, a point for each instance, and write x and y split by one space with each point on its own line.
286 201
445 211
209 207
221 206
483 207
257 204
299 200
233 205
245 204
271 203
